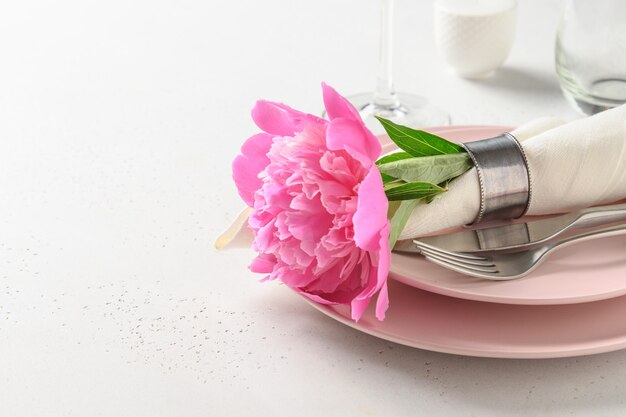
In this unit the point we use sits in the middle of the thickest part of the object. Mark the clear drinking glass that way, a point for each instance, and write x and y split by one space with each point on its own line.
406 109
590 54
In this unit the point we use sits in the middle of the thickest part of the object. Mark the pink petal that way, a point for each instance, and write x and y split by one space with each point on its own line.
276 195
316 298
382 302
247 166
295 278
280 119
337 106
263 264
358 307
338 297
352 136
371 212
384 261
381 269
265 239
328 281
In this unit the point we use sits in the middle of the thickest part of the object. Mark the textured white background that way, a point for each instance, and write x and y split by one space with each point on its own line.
118 122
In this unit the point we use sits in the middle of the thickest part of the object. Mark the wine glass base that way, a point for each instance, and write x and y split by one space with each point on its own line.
412 111
604 94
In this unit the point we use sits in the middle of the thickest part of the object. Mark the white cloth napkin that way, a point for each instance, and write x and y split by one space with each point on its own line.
574 165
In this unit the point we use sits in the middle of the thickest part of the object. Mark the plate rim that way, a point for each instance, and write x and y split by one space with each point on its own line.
524 301
558 351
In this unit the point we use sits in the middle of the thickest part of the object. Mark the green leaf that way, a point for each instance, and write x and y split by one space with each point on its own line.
444 185
435 169
392 207
413 191
393 184
387 178
418 142
396 156
399 219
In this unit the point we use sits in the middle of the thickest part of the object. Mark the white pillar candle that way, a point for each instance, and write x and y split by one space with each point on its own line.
474 36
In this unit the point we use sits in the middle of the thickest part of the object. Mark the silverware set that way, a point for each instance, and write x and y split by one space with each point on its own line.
514 250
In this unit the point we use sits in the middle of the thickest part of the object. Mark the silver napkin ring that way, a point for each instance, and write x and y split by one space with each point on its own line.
502 168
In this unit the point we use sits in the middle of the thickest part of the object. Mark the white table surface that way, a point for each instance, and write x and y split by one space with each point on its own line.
118 122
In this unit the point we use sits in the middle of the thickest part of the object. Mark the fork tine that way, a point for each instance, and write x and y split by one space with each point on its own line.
461 269
487 269
453 257
463 255
487 263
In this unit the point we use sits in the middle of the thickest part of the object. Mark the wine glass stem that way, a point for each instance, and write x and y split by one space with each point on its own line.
384 96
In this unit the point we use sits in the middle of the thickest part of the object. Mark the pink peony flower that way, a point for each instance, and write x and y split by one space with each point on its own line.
319 213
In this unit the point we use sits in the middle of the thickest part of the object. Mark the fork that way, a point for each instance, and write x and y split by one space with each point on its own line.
507 266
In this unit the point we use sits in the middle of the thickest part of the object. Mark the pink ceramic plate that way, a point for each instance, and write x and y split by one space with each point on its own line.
588 271
444 324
